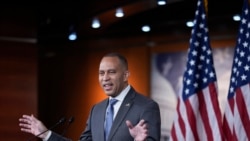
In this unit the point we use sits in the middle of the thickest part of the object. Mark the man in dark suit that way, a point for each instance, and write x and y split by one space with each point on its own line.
131 108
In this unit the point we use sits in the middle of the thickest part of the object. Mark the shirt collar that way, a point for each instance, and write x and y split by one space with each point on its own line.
123 93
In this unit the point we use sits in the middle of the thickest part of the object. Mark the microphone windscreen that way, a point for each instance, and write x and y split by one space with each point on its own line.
62 120
71 119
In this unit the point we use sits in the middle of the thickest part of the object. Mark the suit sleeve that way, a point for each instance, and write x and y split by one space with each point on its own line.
151 115
56 137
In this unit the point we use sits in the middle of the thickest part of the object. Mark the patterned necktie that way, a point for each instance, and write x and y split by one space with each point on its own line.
109 117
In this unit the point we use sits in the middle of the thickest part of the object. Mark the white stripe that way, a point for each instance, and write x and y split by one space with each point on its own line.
175 125
200 128
179 134
194 104
229 116
213 122
183 115
170 138
239 126
245 90
183 112
199 123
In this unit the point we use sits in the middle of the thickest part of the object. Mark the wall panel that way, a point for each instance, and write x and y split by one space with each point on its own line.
18 87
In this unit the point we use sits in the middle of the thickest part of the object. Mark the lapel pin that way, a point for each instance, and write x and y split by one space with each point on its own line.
128 104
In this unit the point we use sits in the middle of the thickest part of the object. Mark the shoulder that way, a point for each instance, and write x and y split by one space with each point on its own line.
141 99
101 103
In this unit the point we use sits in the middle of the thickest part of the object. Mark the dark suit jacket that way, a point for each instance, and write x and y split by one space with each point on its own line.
134 108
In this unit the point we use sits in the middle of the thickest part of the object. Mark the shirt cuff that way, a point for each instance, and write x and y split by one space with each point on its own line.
48 135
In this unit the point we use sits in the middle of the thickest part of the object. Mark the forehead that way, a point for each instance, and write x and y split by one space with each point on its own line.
109 62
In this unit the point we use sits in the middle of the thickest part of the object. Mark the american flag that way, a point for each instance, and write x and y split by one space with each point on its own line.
236 122
198 115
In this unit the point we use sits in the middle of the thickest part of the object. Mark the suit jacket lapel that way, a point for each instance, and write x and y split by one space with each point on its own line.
100 128
124 108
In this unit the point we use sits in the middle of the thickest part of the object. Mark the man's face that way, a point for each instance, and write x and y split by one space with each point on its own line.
112 76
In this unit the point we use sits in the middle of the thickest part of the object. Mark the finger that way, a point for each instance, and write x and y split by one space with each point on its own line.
143 132
21 120
25 121
26 116
25 125
142 121
145 126
129 124
32 117
25 130
28 119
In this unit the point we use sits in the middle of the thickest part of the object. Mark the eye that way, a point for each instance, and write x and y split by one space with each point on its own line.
101 73
112 72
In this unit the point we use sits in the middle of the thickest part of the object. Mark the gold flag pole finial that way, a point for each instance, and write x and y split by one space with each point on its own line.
205 5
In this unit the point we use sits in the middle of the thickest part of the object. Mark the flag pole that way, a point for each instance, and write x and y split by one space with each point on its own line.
205 5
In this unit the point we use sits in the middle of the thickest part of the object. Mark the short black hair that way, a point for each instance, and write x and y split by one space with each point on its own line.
120 57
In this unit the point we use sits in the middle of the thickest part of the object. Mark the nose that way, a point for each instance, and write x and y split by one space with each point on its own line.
106 77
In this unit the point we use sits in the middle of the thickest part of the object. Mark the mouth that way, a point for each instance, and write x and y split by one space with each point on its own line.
107 87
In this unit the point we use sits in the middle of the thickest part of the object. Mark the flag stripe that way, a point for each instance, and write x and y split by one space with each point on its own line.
226 131
180 128
242 110
227 125
239 131
200 128
180 120
204 114
191 119
173 135
216 114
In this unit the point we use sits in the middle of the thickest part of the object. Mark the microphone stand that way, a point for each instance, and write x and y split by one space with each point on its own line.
71 119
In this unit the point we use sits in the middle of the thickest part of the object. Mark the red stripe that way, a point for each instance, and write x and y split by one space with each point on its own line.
180 120
191 119
227 131
173 134
204 116
241 105
216 107
233 135
231 104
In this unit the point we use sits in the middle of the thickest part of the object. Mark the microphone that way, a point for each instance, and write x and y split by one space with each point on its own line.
62 120
71 119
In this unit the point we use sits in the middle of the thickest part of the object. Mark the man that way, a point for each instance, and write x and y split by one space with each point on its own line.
130 108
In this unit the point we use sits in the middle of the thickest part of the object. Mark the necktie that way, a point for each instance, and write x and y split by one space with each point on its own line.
109 117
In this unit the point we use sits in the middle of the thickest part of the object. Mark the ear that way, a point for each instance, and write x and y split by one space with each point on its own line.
126 75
